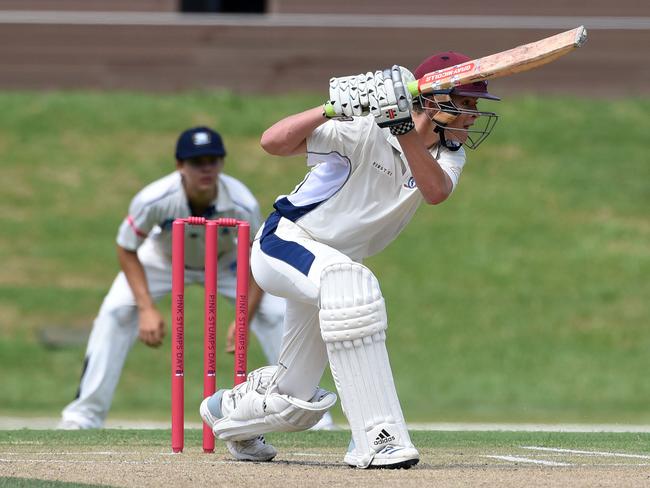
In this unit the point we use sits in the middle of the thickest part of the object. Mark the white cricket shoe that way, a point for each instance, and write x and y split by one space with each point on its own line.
390 457
255 449
325 423
70 425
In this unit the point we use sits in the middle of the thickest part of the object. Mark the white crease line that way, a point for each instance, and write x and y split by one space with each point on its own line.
517 459
312 454
21 443
116 461
530 427
614 465
64 453
77 461
592 453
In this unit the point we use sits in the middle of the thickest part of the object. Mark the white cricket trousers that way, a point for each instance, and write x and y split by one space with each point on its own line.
115 330
287 262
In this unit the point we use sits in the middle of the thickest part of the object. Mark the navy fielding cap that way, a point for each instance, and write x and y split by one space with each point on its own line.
199 141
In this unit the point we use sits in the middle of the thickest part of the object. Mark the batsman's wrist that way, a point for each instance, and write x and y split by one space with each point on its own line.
402 128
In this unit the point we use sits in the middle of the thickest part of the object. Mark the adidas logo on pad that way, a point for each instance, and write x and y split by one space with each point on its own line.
383 438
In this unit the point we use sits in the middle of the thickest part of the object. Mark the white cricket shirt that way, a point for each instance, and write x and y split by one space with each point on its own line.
360 192
156 206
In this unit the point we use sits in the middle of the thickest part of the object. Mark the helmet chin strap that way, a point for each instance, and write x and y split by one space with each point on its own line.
451 145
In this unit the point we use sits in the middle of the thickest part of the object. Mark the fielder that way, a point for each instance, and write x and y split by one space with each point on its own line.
368 176
197 187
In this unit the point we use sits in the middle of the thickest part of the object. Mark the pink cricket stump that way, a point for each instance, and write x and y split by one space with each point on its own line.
241 325
210 323
210 317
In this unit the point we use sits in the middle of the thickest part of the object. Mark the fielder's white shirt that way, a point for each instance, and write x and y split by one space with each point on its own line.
155 207
360 192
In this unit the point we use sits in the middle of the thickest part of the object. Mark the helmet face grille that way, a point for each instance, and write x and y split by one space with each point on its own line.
471 137
482 128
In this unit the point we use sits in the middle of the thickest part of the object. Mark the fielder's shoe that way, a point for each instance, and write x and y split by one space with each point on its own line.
390 457
71 425
325 423
249 450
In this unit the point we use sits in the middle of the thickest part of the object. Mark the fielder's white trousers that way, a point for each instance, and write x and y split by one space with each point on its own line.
115 330
288 263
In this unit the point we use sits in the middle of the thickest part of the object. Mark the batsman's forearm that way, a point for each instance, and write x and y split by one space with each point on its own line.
288 136
432 181
136 277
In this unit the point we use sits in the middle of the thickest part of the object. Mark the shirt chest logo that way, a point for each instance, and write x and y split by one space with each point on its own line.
410 183
383 170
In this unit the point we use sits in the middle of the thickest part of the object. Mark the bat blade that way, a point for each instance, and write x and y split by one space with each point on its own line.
516 60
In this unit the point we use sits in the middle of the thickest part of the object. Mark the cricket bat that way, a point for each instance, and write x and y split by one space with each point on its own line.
516 60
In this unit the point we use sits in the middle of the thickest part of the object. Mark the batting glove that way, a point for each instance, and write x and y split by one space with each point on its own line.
383 94
393 108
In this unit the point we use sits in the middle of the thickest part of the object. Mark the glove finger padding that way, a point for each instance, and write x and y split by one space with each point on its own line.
335 96
353 94
378 97
343 96
399 86
388 86
395 105
349 95
366 85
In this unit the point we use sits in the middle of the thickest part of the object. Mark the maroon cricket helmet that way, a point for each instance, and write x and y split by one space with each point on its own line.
440 61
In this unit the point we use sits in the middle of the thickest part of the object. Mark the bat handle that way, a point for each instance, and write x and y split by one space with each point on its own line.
413 88
328 110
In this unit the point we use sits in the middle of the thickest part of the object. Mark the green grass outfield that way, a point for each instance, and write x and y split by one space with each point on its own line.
525 297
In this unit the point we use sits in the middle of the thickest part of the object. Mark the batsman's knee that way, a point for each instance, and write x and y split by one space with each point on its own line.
351 303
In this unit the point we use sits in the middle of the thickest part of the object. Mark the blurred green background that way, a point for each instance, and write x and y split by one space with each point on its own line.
524 297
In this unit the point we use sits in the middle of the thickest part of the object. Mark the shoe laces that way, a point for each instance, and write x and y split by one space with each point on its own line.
252 442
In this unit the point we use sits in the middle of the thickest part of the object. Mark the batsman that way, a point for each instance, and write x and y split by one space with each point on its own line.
372 164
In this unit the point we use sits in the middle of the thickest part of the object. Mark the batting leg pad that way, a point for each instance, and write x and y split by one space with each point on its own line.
255 408
353 324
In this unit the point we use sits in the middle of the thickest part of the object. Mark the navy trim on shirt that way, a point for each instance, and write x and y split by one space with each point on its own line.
289 252
292 212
